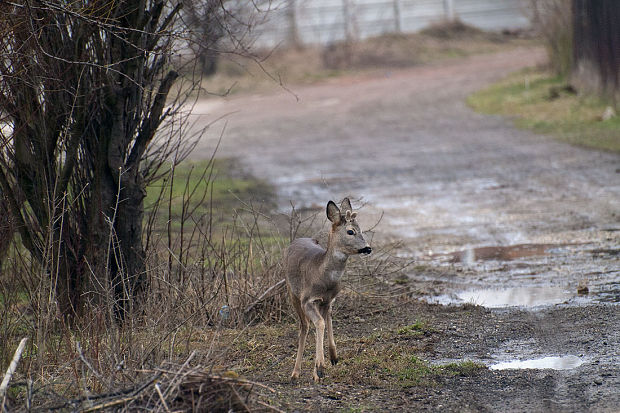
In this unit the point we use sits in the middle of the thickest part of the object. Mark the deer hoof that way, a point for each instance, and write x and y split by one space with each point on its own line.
295 377
333 356
318 373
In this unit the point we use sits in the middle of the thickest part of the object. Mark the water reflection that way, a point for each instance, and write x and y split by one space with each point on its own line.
525 275
554 363
503 253
520 296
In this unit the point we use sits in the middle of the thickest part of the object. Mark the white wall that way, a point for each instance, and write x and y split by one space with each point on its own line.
326 21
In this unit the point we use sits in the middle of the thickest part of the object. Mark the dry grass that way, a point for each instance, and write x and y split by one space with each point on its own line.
209 279
169 387
289 67
204 273
382 349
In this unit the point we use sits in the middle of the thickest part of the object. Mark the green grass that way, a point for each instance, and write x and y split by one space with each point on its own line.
219 199
411 371
389 359
395 365
200 187
464 368
419 328
543 103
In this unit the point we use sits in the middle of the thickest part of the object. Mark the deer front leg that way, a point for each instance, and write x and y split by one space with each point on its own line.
312 312
327 315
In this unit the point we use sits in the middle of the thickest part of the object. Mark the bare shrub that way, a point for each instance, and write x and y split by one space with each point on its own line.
88 119
204 274
552 19
452 29
88 115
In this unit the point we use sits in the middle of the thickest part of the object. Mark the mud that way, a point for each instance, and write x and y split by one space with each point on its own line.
485 210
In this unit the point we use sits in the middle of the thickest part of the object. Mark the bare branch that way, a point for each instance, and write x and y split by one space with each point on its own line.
10 371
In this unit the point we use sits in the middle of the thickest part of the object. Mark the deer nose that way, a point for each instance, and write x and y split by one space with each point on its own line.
365 250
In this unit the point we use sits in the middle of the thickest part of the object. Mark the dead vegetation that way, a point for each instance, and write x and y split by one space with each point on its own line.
310 64
204 273
383 350
213 271
166 388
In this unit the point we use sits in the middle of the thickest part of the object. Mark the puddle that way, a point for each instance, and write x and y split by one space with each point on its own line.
609 293
516 297
554 363
503 253
527 275
530 297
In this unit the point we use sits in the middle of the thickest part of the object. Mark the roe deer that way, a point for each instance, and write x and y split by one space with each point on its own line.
313 278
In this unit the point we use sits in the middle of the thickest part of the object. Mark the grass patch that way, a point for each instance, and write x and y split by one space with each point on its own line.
417 371
412 371
206 210
546 104
388 360
200 188
419 328
396 365
463 368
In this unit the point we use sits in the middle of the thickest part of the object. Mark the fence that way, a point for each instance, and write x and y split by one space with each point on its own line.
327 21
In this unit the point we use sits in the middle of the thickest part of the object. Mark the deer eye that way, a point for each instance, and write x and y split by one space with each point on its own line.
351 232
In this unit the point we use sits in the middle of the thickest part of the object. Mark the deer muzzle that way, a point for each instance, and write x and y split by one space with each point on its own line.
365 250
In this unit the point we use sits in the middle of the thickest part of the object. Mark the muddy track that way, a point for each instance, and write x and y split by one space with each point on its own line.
453 185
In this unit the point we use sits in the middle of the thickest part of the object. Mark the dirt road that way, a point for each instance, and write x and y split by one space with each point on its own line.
407 144
497 216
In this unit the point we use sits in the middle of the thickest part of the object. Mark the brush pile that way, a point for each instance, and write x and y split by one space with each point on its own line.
168 389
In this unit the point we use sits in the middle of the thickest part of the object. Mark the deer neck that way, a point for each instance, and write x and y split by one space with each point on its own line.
334 261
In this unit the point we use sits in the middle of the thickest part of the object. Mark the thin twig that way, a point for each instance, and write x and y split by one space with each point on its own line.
108 404
161 397
264 295
275 409
239 400
177 380
9 373
134 391
90 367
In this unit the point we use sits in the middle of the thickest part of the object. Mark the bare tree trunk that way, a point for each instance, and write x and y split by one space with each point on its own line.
6 228
596 51
128 264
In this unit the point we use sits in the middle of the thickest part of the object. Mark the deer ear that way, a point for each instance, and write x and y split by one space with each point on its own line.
345 205
353 215
333 213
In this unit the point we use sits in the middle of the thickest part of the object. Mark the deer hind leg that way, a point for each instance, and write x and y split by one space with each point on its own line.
303 334
311 308
327 315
